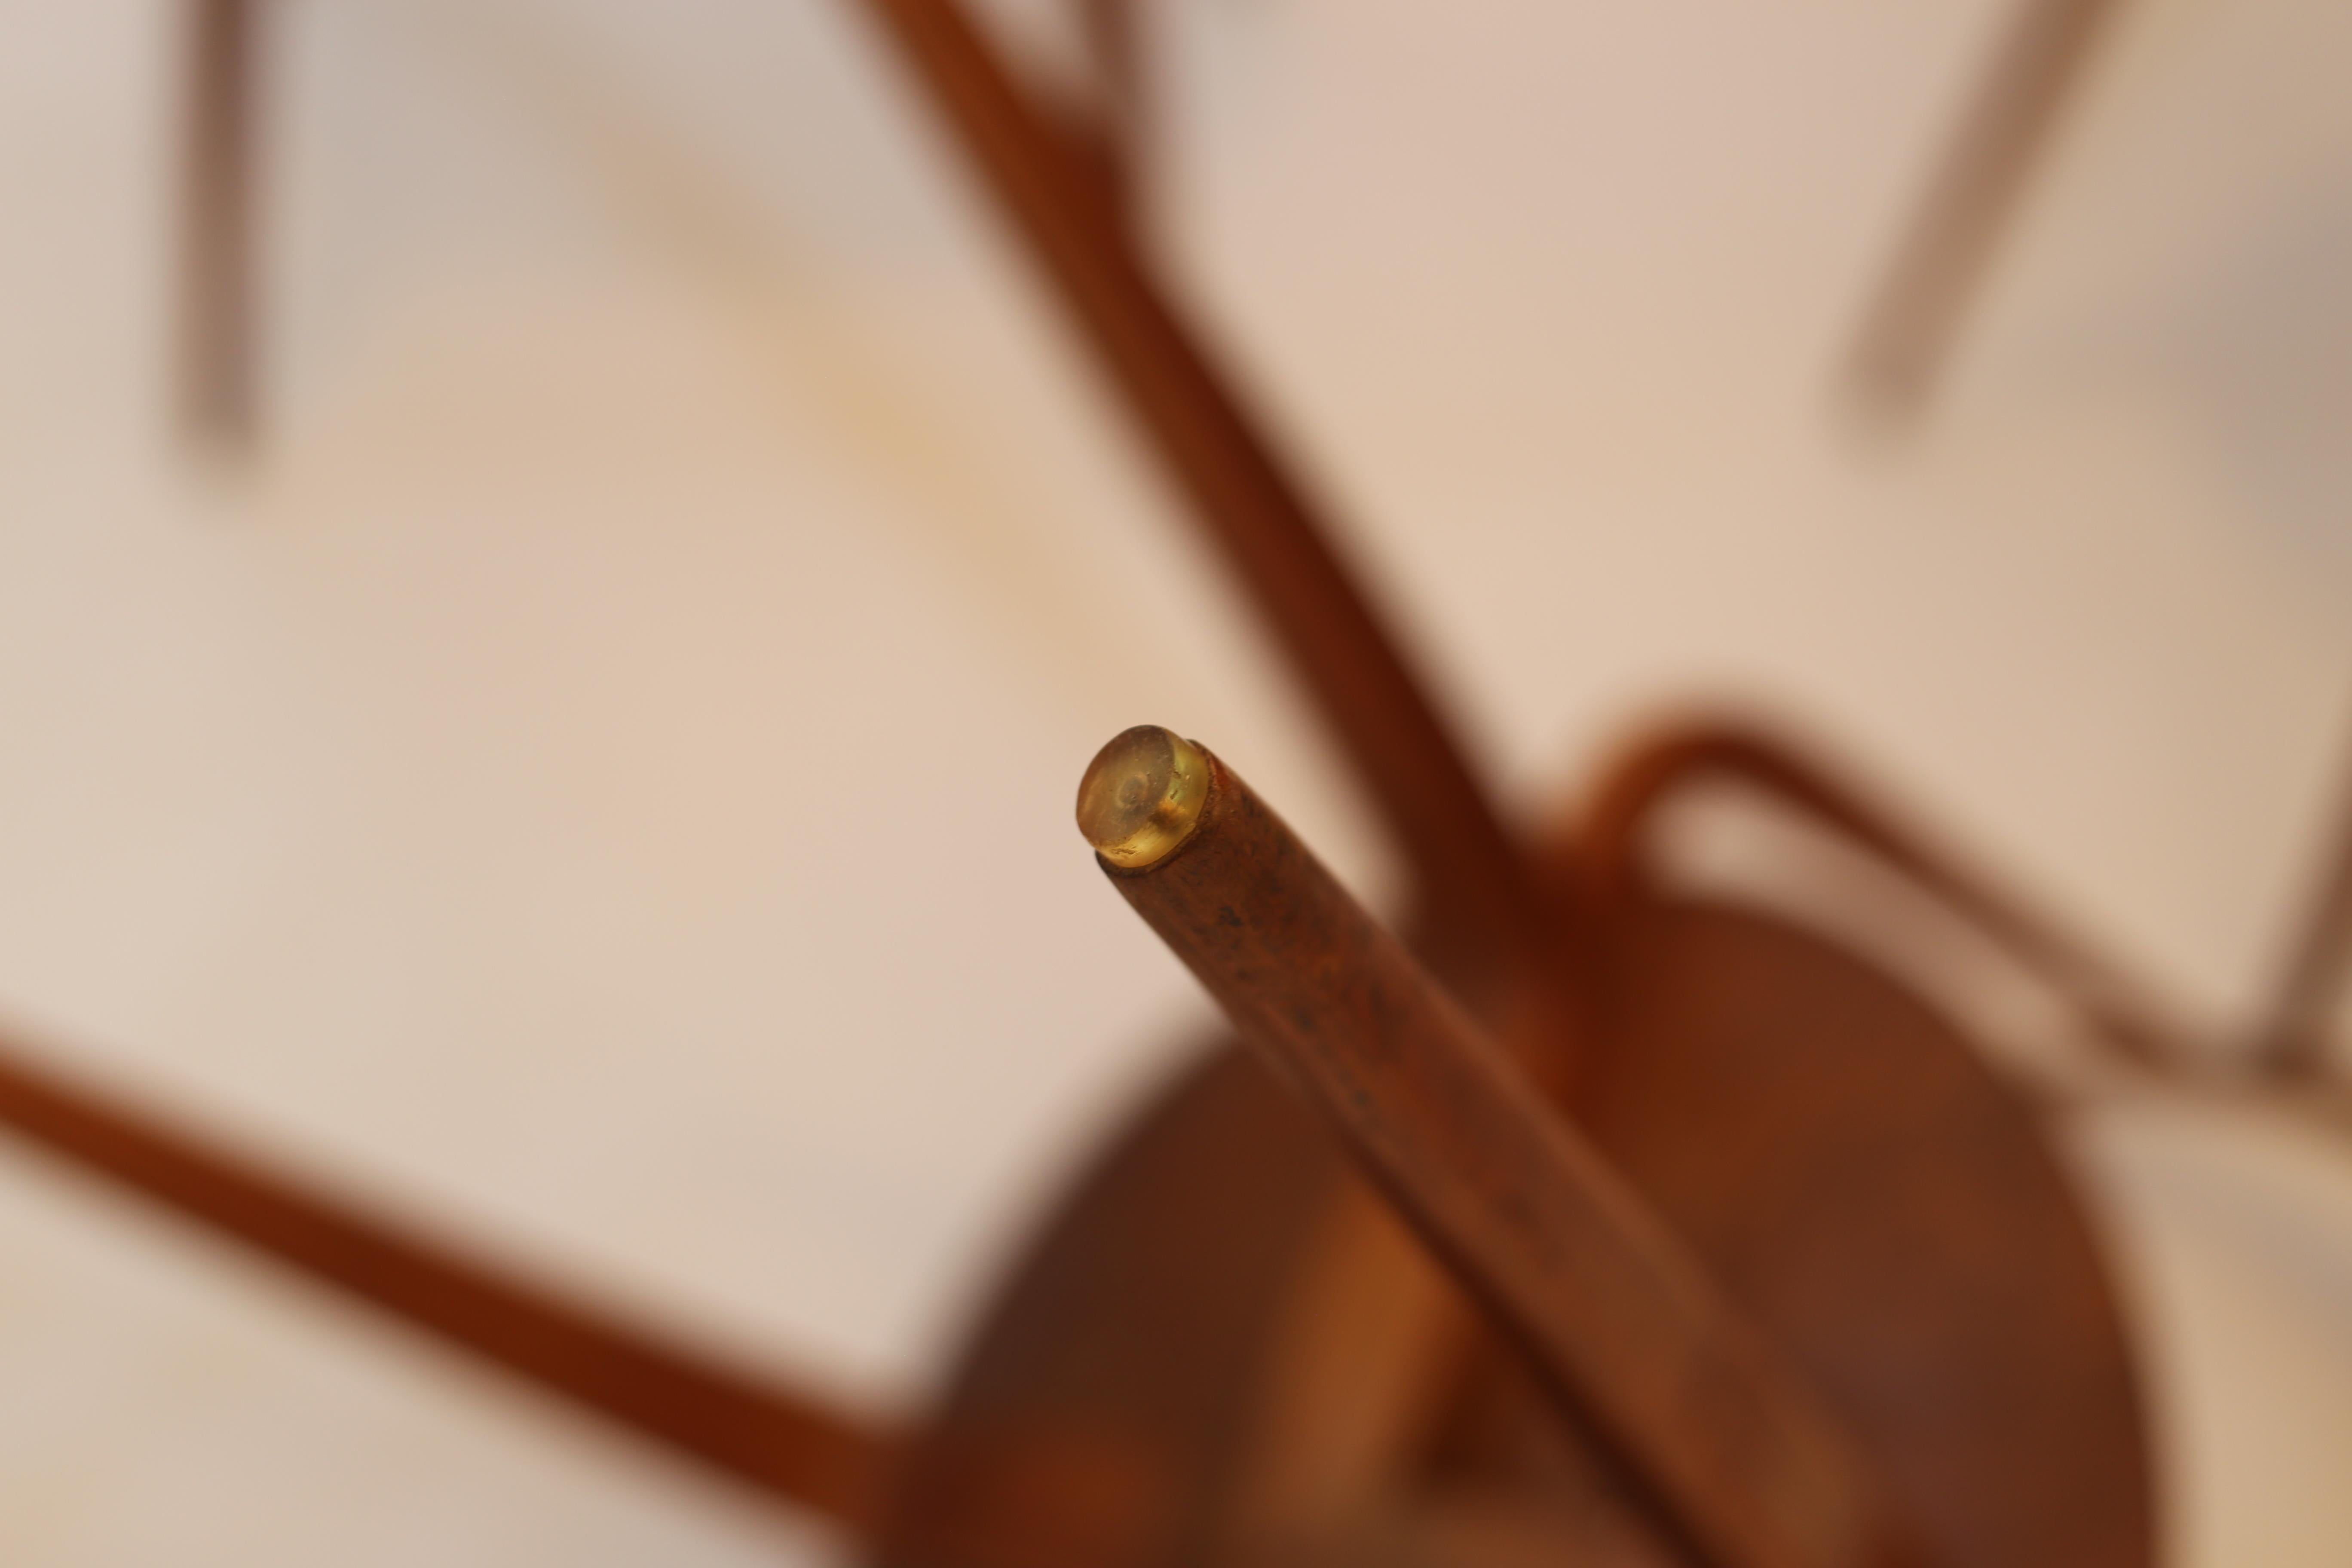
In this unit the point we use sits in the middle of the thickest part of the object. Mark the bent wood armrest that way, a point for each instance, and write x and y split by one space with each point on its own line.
1650 773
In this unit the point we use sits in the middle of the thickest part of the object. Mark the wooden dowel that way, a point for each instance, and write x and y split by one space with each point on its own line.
218 307
1940 265
1475 886
725 1416
1558 1248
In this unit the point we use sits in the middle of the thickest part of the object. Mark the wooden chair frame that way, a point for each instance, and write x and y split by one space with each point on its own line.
1524 939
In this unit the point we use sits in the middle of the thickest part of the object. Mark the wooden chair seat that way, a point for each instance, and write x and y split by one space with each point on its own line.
1884 1207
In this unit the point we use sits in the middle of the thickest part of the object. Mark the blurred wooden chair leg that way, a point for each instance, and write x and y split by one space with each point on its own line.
1475 883
219 308
1106 123
2292 1041
736 1421
1940 265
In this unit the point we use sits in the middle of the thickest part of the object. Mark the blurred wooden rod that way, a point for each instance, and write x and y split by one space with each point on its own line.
1562 1252
1112 133
723 1416
1940 265
218 309
2293 1040
1475 883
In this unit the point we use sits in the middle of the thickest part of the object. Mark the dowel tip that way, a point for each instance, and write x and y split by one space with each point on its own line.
1142 795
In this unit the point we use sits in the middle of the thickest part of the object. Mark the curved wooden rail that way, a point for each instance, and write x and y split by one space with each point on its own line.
1646 776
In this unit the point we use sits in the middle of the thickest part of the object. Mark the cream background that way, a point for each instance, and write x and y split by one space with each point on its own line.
601 777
